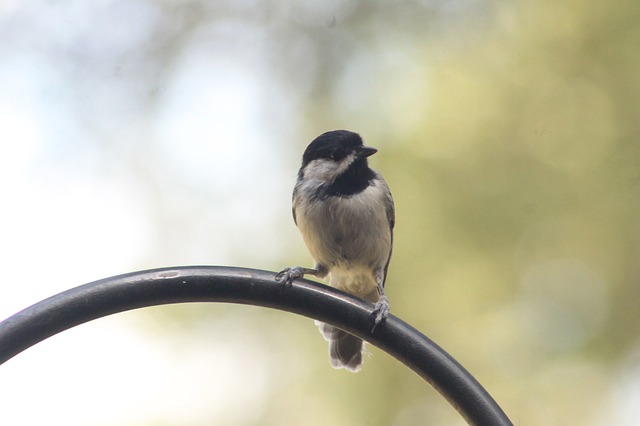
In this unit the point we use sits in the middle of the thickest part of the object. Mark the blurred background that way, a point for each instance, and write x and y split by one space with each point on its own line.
146 133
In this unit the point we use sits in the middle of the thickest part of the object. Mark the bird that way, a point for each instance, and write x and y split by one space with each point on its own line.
345 213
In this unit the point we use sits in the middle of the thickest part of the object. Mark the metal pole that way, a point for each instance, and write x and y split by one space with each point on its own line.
252 287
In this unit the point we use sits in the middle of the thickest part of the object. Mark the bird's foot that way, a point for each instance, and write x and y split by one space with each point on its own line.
380 311
290 273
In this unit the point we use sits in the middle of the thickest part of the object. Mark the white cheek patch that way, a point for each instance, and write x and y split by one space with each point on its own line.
327 170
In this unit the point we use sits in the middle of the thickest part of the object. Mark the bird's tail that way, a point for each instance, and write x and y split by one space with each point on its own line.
345 350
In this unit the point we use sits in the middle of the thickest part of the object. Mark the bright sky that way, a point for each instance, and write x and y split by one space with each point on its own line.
71 216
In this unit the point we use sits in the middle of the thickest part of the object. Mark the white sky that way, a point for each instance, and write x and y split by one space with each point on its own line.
67 221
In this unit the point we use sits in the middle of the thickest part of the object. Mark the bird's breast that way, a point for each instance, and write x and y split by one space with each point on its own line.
346 232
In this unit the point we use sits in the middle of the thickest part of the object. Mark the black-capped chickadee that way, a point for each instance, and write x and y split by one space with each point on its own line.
345 213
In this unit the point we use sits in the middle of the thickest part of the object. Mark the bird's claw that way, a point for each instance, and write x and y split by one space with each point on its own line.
288 274
380 312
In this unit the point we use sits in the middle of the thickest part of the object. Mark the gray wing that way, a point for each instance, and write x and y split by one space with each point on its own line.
294 202
391 217
293 212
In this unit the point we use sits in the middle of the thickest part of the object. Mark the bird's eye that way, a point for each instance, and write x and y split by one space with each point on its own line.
336 155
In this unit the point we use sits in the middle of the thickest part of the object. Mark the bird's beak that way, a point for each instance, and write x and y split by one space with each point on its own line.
365 151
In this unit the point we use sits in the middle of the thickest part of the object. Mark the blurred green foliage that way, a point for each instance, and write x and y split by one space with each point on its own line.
508 132
509 136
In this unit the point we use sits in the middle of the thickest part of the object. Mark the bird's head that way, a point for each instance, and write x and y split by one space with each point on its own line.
333 153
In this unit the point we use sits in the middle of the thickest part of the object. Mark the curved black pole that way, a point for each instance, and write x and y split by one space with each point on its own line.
253 287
